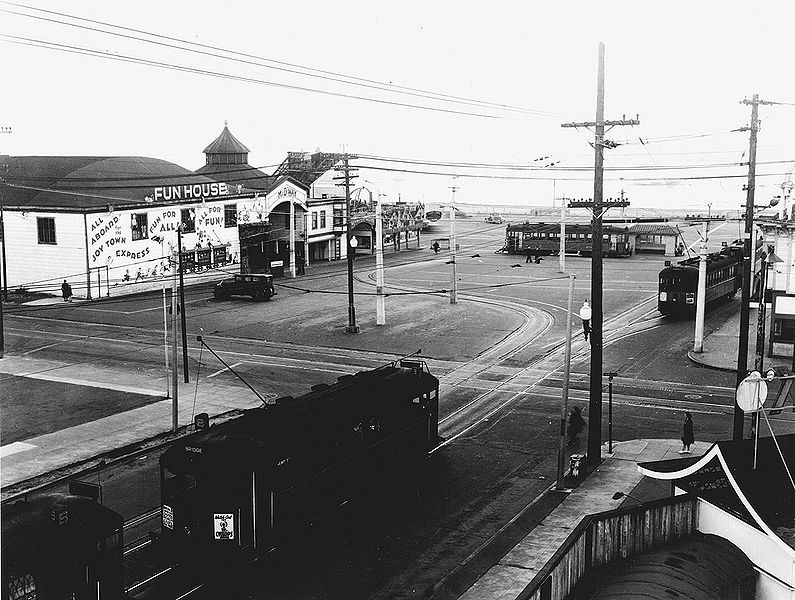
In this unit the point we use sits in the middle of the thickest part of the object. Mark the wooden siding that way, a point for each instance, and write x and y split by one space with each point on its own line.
604 537
43 267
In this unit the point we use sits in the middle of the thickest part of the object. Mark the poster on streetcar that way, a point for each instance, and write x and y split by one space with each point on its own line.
224 526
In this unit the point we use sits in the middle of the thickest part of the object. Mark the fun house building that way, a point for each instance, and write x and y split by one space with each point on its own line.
109 225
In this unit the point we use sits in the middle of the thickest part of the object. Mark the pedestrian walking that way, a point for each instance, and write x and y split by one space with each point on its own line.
435 247
687 434
529 258
585 315
575 427
66 291
301 263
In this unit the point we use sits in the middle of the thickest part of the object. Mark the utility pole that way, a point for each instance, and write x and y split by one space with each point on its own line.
598 206
174 353
562 252
350 241
181 307
701 297
380 311
742 350
453 276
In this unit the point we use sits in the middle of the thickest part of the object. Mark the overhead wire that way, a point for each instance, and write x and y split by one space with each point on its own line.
263 61
104 54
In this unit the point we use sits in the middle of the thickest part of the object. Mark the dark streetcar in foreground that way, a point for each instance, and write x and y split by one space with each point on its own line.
678 283
240 489
543 239
62 546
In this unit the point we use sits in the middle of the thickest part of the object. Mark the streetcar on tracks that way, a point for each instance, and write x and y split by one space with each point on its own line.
543 239
678 283
237 490
59 545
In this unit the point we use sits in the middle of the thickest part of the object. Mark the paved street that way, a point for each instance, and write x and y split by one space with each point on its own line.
498 352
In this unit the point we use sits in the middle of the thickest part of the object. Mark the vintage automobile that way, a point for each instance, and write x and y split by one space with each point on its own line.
494 217
257 285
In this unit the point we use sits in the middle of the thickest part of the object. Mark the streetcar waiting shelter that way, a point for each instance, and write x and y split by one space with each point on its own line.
782 329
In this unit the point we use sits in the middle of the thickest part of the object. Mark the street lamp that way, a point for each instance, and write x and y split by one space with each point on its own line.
352 243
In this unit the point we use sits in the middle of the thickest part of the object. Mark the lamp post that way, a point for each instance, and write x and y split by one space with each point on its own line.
564 404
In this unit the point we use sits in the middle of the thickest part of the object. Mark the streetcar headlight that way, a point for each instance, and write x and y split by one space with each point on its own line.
663 296
690 298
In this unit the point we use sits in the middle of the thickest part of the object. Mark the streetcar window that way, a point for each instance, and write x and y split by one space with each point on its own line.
174 483
22 588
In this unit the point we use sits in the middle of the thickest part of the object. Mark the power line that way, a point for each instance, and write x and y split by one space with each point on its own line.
68 48
262 62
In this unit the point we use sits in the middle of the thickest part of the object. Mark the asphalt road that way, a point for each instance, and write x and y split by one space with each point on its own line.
500 421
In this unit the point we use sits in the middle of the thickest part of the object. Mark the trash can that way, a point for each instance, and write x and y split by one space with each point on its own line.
577 466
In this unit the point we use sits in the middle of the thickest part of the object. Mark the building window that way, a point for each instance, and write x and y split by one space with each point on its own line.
230 215
188 220
314 220
322 219
46 227
139 226
338 217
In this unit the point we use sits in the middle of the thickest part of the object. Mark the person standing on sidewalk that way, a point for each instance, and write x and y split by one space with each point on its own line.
576 425
688 439
66 291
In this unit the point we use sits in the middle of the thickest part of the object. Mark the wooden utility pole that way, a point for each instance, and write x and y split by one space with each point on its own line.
748 262
453 244
598 206
350 243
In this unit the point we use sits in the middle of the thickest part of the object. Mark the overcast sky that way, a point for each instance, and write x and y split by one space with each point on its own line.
683 67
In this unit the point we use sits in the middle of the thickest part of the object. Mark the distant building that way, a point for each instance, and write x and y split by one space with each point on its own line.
108 225
654 238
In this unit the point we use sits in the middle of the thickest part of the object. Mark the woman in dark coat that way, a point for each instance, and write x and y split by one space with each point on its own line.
687 434
576 425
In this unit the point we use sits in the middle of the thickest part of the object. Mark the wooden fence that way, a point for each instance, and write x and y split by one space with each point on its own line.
604 537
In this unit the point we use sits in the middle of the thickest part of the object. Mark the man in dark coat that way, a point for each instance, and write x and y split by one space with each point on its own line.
688 439
66 291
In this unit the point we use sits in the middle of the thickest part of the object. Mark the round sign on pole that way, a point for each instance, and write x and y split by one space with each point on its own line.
751 392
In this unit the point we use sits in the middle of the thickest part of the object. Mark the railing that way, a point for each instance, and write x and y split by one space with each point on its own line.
604 537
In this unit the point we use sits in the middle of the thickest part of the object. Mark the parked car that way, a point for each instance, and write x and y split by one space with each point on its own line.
259 286
494 217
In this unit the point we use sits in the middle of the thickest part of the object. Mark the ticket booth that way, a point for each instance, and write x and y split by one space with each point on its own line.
782 331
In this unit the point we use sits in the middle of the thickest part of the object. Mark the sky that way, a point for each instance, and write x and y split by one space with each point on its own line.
682 67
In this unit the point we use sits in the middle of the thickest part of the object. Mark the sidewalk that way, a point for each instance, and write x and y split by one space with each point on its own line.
511 574
720 346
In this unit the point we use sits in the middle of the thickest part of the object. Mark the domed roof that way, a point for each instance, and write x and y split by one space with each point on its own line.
226 143
83 182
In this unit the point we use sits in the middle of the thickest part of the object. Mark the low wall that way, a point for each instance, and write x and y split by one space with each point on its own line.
604 537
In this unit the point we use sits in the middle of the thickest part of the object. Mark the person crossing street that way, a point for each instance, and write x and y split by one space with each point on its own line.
585 315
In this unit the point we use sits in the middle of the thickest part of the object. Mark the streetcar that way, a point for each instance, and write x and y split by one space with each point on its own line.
543 239
678 283
59 546
237 490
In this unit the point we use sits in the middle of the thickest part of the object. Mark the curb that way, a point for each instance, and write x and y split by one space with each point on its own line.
701 363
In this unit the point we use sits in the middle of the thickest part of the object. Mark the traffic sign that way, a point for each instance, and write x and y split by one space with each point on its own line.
751 392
